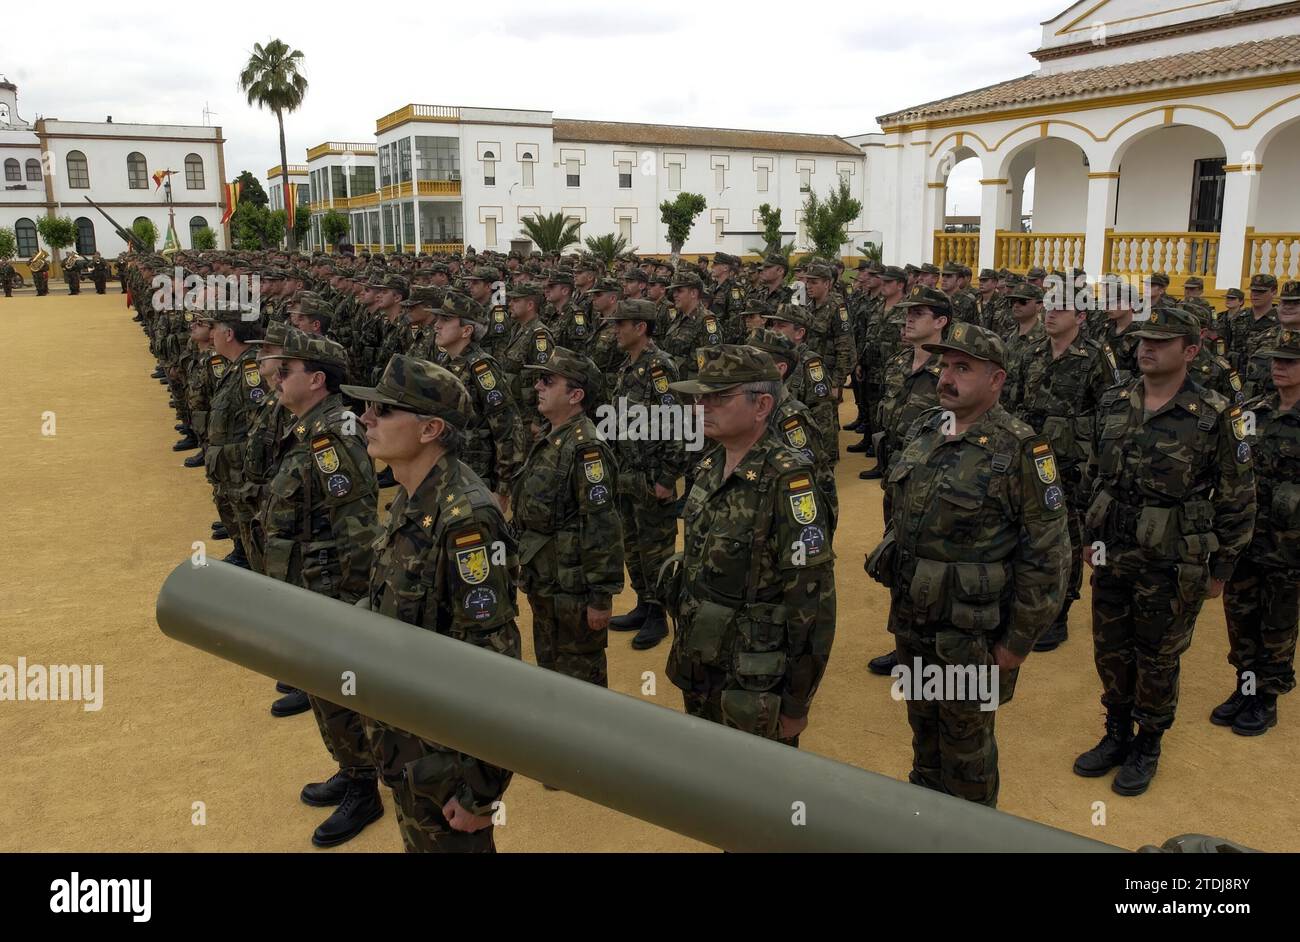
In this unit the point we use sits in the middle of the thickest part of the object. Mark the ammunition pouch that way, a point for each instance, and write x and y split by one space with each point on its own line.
966 595
751 711
710 625
882 564
1284 509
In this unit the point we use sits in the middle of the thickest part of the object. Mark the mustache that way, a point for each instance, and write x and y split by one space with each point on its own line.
948 390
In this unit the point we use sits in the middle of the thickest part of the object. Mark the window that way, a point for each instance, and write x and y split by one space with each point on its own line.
625 175
408 223
372 226
1208 182
25 233
304 195
13 171
78 172
572 173
386 166
338 183
674 176
437 158
489 172
762 179
490 230
717 230
805 180
33 170
528 169
196 223
85 236
363 180
137 176
625 229
193 172
846 177
388 225
404 160
719 178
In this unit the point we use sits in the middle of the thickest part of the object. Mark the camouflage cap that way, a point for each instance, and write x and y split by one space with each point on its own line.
418 386
722 258
1158 278
733 366
777 259
455 304
1168 322
821 270
1036 272
231 315
687 279
924 296
1200 308
427 295
796 314
950 268
559 276
1235 293
1024 291
974 341
608 284
661 280
893 273
987 274
299 345
276 334
272 274
929 268
483 273
1286 347
571 365
1263 282
773 342
1290 291
1194 282
526 289
636 310
636 274
392 283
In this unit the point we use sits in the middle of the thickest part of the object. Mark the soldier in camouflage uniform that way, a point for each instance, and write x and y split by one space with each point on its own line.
1262 599
963 304
1027 309
1057 389
754 595
1209 369
570 325
388 293
1257 375
657 292
1158 297
830 330
485 286
604 349
419 309
398 333
236 398
974 558
882 339
693 327
808 380
317 526
570 536
495 438
443 564
647 469
1248 328
1172 509
531 344
987 299
200 381
725 296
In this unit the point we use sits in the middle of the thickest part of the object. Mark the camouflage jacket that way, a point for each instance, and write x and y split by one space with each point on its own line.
530 345
320 517
884 340
1246 335
266 444
200 383
1018 347
1257 375
239 392
810 384
792 422
830 333
965 306
444 564
908 393
1122 347
1275 447
754 596
1058 398
644 463
499 329
980 527
1176 486
398 338
572 328
495 438
686 335
1214 372
727 299
570 535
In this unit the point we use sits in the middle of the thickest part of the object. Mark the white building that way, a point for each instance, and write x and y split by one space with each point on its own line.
1163 136
50 165
446 177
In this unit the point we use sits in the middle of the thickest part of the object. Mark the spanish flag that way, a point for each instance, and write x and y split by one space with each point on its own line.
232 200
291 207
158 177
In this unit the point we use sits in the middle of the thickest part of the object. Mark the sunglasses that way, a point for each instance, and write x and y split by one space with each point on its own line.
382 409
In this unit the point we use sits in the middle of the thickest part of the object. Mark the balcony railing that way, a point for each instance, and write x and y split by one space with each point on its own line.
417 113
961 248
338 147
1272 253
439 187
1021 251
1177 254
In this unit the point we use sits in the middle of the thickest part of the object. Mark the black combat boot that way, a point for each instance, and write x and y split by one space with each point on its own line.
632 620
1226 712
327 793
884 664
360 806
188 443
861 448
291 704
158 373
282 687
1053 637
385 478
654 630
1111 751
1135 775
1258 716
183 428
195 460
237 557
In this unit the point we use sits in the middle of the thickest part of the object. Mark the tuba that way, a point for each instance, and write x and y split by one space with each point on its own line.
40 261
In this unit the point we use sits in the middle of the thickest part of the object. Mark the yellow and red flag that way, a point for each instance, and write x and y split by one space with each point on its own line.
291 207
158 177
232 200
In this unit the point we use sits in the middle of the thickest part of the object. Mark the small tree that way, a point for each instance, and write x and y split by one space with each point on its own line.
333 227
205 239
772 244
827 220
248 226
59 232
552 234
301 226
251 190
146 232
8 244
679 217
274 228
607 248
873 251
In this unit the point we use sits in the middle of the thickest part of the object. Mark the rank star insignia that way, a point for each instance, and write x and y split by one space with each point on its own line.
450 498
301 430
427 521
983 439
706 463
751 476
455 511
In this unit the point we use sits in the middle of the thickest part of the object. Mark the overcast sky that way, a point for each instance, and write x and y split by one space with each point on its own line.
812 66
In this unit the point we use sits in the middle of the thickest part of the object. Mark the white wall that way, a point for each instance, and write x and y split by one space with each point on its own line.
1279 183
503 200
1060 186
1155 188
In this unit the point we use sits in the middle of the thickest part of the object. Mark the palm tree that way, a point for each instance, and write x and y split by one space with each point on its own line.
271 79
607 248
551 234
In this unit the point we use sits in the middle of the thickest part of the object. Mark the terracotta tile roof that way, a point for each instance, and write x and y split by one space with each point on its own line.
1268 54
667 135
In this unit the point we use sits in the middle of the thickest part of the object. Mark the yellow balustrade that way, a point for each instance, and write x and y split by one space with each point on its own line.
417 113
1177 254
439 188
1021 251
1272 253
434 247
962 248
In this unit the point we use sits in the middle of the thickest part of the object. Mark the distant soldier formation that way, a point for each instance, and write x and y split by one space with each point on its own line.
423 436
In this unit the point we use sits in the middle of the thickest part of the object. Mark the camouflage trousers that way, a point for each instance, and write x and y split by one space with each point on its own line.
563 643
954 749
1262 607
1075 582
344 734
1143 613
649 538
423 777
708 706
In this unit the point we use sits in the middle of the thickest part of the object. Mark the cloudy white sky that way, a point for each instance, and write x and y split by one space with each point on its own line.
813 66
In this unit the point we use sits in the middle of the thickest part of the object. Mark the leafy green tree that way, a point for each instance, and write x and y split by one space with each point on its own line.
771 219
873 251
8 244
58 232
551 233
826 220
248 226
333 227
679 216
251 191
607 248
272 79
274 228
146 232
204 240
